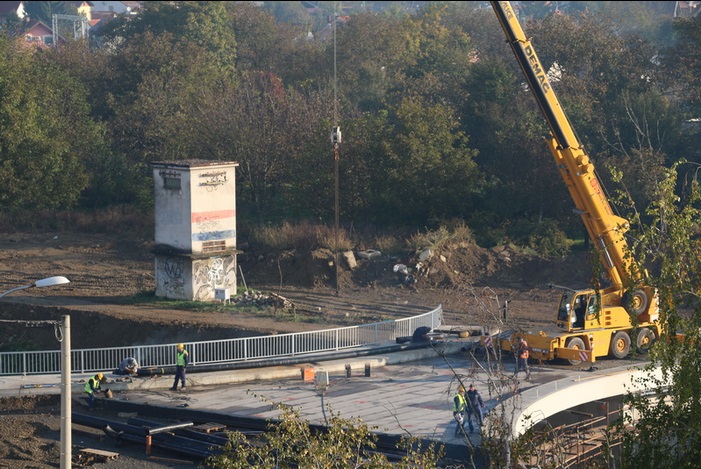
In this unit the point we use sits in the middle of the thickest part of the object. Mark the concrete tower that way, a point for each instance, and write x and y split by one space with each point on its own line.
195 209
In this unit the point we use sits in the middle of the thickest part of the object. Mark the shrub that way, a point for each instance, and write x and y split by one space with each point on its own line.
304 235
544 237
443 235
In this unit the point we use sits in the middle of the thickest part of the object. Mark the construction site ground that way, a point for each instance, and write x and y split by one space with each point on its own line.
110 301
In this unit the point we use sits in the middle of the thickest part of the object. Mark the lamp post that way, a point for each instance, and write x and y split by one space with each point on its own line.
66 443
45 282
335 140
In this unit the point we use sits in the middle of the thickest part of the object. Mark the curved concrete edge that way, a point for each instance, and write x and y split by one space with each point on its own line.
20 386
541 402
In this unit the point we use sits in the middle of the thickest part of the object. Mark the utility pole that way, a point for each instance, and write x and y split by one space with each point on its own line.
66 410
335 140
65 338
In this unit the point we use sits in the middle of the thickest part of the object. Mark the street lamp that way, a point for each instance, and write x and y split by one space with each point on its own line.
66 443
45 282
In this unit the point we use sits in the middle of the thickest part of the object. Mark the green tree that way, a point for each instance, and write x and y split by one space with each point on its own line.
158 95
442 57
430 171
681 63
112 178
45 132
262 43
508 129
292 442
44 11
202 23
362 162
373 54
289 12
666 431
605 83
273 133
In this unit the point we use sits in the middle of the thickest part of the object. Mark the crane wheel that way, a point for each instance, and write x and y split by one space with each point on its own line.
644 340
635 302
577 344
620 345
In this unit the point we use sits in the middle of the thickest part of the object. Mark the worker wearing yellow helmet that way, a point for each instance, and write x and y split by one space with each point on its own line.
181 361
91 387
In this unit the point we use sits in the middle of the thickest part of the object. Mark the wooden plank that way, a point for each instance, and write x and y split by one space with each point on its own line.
210 427
100 453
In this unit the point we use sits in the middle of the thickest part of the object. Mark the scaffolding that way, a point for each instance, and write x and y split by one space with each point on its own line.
78 24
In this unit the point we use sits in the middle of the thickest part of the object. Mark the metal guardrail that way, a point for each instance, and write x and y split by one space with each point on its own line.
220 351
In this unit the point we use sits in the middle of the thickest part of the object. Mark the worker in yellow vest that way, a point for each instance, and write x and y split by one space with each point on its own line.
181 362
91 387
459 407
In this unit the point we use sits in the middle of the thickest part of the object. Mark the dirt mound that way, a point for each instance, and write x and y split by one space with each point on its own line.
450 266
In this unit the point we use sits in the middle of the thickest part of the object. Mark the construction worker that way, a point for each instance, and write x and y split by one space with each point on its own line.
180 366
91 387
459 407
522 360
128 366
475 404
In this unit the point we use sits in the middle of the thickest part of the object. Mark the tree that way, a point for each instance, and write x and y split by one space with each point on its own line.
373 53
442 57
262 43
668 423
596 74
201 23
682 86
45 133
157 97
681 62
429 171
112 178
289 12
292 442
44 11
273 132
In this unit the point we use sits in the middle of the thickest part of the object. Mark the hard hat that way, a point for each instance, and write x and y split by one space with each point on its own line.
461 389
181 346
100 376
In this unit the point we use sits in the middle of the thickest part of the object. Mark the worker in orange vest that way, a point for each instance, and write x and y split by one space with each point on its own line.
522 358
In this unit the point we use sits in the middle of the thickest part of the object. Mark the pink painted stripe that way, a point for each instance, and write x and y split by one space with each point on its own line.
213 215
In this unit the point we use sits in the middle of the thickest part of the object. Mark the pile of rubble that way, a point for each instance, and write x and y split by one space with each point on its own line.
256 298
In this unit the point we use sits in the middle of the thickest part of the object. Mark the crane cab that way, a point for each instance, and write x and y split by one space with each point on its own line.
576 309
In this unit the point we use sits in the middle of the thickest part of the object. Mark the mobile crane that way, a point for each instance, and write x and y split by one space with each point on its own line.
589 323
